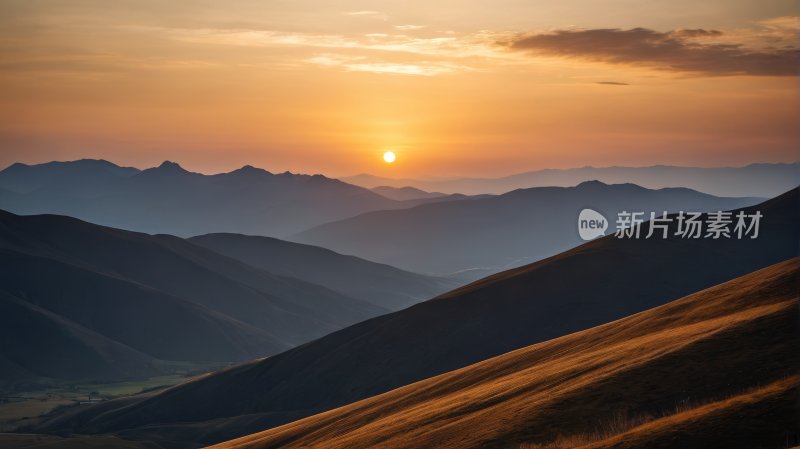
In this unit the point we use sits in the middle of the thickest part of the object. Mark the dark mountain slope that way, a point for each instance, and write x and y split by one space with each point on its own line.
731 337
596 283
379 284
95 262
148 320
48 345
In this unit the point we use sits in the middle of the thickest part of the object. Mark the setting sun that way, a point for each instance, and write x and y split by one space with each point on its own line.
388 156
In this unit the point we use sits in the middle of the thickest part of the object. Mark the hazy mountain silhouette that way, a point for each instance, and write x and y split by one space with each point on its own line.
162 295
380 284
724 340
596 283
170 200
759 180
499 232
404 193
33 340
23 178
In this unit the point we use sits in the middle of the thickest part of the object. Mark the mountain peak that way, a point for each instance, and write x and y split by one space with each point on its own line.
249 169
593 183
171 166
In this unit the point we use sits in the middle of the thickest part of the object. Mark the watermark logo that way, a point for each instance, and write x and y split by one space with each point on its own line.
591 224
690 225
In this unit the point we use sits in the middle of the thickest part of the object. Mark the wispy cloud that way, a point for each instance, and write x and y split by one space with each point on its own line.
346 63
613 83
686 51
361 13
409 27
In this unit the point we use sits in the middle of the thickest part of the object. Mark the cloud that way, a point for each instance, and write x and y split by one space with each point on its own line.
697 33
409 27
331 59
346 63
613 83
361 13
685 51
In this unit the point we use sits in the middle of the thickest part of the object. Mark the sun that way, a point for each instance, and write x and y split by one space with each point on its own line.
388 156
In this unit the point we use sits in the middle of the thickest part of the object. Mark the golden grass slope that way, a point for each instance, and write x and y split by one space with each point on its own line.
733 336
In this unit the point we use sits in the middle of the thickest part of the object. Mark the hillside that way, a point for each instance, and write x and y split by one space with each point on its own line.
380 284
596 283
736 336
51 346
162 295
499 232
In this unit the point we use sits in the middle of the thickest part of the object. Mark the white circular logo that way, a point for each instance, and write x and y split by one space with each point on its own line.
591 224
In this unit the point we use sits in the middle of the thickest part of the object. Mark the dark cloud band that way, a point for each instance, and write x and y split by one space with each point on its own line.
685 51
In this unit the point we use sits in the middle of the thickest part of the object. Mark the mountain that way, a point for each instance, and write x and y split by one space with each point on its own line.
712 346
404 193
33 340
23 178
499 232
601 281
164 296
380 284
759 180
171 200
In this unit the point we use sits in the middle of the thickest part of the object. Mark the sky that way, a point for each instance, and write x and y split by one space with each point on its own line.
482 88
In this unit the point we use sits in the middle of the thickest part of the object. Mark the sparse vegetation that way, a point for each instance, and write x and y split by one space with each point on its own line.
622 422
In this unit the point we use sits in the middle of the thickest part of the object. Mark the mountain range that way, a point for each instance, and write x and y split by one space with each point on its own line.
170 200
759 180
599 282
498 232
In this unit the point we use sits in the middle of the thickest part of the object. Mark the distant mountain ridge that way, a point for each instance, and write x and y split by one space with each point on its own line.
405 193
23 178
171 200
754 180
498 232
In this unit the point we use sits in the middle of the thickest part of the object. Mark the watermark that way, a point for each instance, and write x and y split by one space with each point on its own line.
690 225
591 224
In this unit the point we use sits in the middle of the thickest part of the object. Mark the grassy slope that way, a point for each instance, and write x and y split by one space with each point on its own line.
735 335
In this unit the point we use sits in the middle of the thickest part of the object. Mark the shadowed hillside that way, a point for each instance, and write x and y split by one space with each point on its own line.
504 232
740 334
379 284
601 281
162 295
52 346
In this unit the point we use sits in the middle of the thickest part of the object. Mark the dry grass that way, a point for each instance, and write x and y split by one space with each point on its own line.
622 422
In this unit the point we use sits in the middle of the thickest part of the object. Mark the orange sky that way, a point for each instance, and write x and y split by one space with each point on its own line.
474 87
